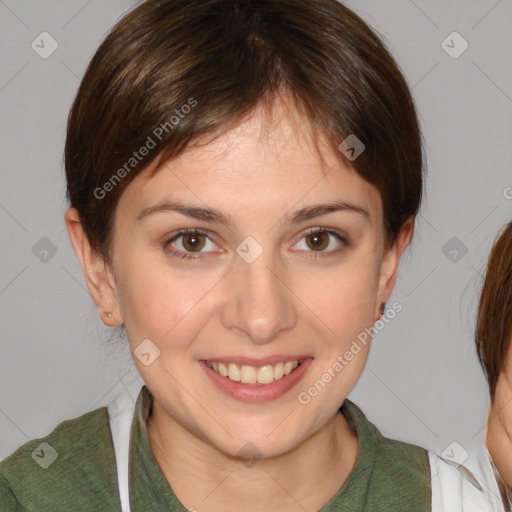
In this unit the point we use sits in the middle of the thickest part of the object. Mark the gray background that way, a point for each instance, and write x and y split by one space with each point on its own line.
422 383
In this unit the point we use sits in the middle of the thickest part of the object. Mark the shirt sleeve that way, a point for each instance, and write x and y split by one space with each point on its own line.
8 502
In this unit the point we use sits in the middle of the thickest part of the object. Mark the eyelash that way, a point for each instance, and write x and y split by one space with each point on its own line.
193 256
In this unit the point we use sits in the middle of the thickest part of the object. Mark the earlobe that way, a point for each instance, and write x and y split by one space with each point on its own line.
98 279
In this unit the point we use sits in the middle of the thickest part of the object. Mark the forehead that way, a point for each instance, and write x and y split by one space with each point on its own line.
269 159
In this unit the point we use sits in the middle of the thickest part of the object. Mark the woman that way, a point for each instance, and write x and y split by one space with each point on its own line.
243 178
493 339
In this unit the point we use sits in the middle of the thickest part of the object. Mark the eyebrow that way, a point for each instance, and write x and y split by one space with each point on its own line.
212 215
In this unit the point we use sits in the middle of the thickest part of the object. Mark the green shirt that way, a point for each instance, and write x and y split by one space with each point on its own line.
388 475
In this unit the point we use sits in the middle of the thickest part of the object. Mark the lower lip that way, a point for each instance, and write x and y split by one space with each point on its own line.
257 392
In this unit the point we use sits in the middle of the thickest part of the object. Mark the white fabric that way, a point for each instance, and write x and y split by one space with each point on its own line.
470 487
120 412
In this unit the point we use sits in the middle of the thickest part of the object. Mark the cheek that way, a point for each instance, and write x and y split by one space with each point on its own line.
345 305
345 297
157 302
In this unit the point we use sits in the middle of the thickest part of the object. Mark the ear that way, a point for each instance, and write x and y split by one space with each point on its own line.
390 262
98 275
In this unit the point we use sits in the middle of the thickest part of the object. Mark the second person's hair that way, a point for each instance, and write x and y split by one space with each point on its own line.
494 322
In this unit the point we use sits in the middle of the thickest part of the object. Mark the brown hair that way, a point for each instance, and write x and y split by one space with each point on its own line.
171 71
494 321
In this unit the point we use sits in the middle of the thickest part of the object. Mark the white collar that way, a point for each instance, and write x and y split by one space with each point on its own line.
120 411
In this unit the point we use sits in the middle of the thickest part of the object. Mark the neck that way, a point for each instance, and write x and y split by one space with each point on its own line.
205 478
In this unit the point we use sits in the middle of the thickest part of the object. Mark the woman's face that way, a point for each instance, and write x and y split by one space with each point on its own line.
250 284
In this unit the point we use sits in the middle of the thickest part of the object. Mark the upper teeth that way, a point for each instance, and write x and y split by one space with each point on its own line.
252 375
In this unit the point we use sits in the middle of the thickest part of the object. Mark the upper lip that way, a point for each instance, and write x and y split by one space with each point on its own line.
257 362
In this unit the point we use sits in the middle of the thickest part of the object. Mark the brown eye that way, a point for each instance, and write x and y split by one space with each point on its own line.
189 244
193 241
317 241
322 242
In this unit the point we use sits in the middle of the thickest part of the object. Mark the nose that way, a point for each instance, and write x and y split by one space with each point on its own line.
259 303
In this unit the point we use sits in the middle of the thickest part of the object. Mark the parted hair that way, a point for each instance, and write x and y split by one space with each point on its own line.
493 334
172 71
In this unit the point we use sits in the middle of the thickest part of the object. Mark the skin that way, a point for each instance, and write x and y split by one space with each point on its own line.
220 306
498 436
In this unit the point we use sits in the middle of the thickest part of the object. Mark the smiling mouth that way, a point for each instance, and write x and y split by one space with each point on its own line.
252 375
